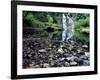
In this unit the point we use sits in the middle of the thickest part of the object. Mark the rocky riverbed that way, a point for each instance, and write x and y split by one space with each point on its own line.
41 52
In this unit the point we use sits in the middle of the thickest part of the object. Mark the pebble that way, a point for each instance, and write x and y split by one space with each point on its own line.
72 58
42 51
70 47
87 54
84 57
31 65
86 62
61 59
36 66
79 50
66 64
85 46
73 63
52 63
46 65
60 51
82 53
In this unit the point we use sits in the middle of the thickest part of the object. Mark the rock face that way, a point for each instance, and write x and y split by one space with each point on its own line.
41 52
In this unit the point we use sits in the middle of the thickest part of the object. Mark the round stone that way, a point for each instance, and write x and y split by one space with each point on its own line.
73 63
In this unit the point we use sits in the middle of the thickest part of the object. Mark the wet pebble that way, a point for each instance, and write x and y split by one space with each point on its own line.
73 63
42 51
67 64
46 65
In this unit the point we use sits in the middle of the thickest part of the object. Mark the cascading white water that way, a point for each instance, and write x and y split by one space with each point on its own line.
64 27
68 29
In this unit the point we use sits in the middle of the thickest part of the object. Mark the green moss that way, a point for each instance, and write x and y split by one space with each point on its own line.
82 37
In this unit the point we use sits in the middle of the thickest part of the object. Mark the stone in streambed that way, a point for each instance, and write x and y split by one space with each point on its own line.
86 62
52 63
71 58
42 51
70 47
60 51
79 60
73 63
49 48
36 66
79 50
84 57
82 53
66 64
87 54
32 65
61 59
46 65
85 46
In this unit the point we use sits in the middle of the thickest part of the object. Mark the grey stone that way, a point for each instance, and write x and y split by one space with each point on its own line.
66 64
42 51
46 65
73 63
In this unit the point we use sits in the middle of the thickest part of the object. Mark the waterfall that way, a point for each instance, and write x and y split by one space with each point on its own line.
64 27
68 29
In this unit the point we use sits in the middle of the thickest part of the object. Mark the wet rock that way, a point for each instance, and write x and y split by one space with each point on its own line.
85 46
73 63
53 46
61 59
79 50
50 45
74 49
28 50
70 47
65 50
82 53
60 51
32 65
87 54
79 61
71 58
67 64
36 66
49 49
51 56
46 65
60 64
42 51
74 54
84 57
72 42
86 63
29 55
65 55
52 63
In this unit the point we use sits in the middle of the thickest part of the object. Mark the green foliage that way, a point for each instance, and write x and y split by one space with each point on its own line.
79 26
52 20
81 16
54 26
37 24
82 23
82 37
